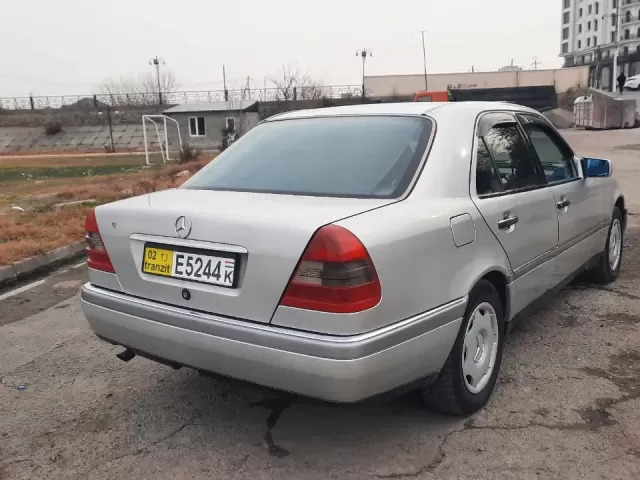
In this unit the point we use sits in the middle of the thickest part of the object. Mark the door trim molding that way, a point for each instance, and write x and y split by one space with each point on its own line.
554 252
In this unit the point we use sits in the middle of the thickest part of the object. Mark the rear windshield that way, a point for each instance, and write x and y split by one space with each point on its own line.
371 157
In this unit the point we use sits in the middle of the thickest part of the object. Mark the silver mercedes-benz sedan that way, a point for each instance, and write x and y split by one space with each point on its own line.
346 252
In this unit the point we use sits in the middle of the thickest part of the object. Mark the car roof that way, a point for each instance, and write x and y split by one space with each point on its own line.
405 108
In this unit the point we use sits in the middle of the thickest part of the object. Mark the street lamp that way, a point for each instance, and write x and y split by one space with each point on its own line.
364 53
156 61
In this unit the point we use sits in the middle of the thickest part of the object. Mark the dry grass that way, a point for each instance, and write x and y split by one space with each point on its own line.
75 160
32 233
41 227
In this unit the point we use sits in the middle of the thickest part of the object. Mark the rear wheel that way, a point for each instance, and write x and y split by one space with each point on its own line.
608 267
469 375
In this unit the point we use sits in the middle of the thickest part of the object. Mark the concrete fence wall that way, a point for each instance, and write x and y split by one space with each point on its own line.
563 79
85 130
84 139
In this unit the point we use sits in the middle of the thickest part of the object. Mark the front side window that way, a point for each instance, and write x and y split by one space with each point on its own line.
350 156
196 127
555 156
516 166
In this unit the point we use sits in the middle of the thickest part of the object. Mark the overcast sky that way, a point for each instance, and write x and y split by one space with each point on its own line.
71 46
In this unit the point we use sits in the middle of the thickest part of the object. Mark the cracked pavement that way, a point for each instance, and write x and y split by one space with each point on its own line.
567 403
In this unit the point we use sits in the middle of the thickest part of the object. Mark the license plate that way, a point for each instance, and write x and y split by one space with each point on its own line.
195 266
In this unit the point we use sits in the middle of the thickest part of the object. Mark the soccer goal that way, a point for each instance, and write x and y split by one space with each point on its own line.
163 143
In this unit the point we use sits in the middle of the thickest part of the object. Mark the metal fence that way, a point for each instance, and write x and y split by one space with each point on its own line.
173 98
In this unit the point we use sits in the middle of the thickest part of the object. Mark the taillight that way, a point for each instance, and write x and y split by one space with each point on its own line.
335 275
97 256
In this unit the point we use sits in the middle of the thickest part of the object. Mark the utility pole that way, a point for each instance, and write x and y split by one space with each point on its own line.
364 53
224 83
156 61
615 47
424 62
535 63
113 145
616 23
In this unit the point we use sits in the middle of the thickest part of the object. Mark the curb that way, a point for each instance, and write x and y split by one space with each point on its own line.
45 261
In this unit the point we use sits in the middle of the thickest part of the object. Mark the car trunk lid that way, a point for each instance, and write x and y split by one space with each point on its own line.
263 235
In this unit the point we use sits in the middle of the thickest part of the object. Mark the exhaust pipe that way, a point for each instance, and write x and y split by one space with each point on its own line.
126 355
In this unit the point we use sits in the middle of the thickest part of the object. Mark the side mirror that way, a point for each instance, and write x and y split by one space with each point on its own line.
596 167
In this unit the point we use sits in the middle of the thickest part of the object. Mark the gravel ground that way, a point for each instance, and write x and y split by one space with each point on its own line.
566 406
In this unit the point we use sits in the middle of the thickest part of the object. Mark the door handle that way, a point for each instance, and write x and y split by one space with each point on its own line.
563 203
507 222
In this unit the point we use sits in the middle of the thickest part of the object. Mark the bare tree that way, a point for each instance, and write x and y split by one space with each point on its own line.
142 90
310 89
291 82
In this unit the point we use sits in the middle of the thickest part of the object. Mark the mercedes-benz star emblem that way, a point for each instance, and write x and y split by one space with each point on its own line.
183 226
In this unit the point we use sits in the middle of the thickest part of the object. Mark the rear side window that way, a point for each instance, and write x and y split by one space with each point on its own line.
516 166
487 178
371 157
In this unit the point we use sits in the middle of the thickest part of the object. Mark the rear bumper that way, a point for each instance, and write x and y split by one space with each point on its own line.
339 369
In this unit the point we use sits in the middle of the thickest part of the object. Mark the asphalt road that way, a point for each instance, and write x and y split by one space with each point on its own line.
567 404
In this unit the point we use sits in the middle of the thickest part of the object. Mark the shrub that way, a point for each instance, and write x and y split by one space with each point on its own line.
144 186
187 154
52 127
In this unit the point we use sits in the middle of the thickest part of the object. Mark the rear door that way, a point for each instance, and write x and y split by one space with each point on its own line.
577 206
512 196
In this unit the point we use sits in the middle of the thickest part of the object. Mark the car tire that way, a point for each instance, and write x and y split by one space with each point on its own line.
610 260
455 390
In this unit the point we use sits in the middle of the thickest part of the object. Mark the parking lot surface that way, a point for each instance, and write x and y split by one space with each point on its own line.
567 403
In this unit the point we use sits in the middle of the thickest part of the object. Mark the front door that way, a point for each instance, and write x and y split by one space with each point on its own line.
512 196
578 209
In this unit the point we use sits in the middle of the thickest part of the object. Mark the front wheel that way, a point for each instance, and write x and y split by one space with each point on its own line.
469 375
608 267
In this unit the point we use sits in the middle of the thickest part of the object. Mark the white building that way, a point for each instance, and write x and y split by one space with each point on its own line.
588 37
